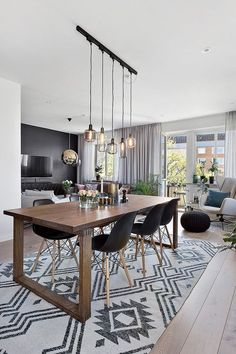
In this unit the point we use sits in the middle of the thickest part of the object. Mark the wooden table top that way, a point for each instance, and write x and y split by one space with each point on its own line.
70 218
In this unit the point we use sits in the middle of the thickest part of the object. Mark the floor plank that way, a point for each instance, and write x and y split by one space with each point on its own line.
205 335
174 337
228 342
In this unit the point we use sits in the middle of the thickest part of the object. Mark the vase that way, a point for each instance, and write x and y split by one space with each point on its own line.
84 204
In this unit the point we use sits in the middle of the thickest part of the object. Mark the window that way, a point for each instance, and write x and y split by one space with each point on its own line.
201 151
220 150
176 159
107 162
210 147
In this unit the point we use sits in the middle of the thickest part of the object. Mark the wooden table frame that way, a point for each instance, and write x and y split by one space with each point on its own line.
68 217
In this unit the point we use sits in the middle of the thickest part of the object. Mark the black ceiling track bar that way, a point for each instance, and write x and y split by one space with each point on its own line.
103 48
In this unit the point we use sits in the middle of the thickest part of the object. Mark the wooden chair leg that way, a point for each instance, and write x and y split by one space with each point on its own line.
156 250
168 235
103 262
107 281
59 249
160 241
122 260
73 253
38 255
53 261
143 256
136 247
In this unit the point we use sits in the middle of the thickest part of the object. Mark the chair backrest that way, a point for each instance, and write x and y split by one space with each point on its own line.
152 220
41 230
39 202
120 233
74 198
228 186
168 212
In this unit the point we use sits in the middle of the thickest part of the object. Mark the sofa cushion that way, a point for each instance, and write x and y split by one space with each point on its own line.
215 198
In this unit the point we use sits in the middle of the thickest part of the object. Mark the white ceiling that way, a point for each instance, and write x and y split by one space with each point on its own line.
162 39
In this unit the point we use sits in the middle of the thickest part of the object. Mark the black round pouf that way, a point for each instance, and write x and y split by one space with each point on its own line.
195 221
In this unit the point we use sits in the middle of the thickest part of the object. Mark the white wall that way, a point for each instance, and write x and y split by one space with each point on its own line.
10 119
198 123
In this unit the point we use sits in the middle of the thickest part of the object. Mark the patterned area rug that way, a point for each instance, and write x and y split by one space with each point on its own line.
137 317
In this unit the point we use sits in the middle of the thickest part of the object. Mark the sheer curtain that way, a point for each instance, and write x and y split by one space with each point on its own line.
230 145
145 158
87 155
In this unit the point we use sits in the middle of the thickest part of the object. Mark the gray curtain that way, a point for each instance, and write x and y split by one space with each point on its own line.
144 159
230 144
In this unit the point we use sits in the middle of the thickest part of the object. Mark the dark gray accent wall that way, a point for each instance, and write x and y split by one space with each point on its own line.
45 142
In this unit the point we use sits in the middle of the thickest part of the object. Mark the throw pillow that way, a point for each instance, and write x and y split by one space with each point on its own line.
215 198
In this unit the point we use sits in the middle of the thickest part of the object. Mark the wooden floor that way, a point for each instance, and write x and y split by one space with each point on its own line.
206 324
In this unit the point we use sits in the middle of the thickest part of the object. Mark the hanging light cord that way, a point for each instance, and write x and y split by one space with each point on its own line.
123 100
112 102
69 141
91 73
131 99
102 84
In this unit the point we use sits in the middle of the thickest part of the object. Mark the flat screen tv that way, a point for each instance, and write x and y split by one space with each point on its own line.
36 166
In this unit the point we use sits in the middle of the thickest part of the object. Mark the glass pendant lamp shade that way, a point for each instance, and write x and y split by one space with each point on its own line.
90 133
122 148
101 144
112 147
131 142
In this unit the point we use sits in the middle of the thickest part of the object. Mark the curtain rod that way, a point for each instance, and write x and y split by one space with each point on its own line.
103 48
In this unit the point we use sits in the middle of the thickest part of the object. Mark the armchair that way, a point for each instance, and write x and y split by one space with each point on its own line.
228 206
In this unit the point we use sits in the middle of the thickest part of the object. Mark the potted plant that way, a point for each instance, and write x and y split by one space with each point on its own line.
212 170
98 170
230 237
150 187
66 186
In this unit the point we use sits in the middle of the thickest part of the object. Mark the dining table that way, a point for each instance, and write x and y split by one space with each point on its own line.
69 217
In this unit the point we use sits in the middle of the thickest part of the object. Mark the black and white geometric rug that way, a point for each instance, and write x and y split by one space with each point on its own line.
135 320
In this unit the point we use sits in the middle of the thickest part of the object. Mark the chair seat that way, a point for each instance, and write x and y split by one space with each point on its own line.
99 241
51 234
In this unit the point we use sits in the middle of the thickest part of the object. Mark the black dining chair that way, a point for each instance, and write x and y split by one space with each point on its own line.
51 237
166 218
145 233
108 244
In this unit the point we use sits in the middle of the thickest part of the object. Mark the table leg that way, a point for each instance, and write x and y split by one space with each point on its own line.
18 248
85 252
175 226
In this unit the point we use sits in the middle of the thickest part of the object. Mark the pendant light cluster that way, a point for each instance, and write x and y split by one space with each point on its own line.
90 133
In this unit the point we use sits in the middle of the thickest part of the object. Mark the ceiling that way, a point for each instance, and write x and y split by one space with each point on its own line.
163 40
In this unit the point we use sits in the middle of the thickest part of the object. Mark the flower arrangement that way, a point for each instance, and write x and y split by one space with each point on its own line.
67 184
89 197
